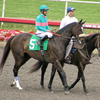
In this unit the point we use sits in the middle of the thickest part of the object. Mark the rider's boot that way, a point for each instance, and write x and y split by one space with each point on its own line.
41 40
68 59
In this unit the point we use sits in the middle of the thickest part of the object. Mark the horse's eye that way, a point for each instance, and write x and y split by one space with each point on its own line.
82 41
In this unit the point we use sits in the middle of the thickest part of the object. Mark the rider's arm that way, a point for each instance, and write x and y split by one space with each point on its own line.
48 28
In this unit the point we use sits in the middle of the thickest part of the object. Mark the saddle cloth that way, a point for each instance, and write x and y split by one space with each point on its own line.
33 43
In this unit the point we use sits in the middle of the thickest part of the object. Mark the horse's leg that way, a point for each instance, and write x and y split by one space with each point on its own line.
51 78
43 69
80 74
16 81
59 67
84 86
61 77
76 81
18 63
83 81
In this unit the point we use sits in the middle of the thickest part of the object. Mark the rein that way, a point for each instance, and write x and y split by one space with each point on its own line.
54 33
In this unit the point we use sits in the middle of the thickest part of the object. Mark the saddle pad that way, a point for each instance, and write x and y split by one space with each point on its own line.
33 43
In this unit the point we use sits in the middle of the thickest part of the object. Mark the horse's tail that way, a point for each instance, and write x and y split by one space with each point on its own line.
36 66
5 54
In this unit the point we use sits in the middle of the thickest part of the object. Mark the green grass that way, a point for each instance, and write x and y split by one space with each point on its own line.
29 9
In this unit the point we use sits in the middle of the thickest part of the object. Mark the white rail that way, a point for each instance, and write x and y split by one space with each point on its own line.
3 11
74 1
78 1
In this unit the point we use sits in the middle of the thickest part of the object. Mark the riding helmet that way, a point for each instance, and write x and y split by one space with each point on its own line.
44 8
70 9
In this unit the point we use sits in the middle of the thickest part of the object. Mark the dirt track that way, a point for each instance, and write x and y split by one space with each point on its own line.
31 82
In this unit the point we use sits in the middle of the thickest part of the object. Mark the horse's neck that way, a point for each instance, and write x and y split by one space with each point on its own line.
65 35
64 38
90 47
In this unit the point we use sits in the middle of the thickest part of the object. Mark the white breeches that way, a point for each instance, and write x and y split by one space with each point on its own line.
68 48
43 34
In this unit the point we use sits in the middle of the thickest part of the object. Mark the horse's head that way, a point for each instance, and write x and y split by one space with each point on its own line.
95 38
77 29
79 43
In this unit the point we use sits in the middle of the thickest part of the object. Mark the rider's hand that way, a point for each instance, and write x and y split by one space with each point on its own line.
52 31
48 31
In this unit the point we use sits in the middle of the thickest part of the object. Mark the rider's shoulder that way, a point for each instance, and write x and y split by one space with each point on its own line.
75 19
64 18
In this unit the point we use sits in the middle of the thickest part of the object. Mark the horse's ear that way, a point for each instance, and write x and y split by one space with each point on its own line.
83 22
80 21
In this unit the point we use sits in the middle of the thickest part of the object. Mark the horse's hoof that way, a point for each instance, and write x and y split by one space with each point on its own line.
66 92
12 85
87 93
43 87
69 87
50 90
0 71
20 89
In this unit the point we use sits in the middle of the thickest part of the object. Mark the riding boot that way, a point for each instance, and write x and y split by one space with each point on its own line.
41 40
68 49
68 60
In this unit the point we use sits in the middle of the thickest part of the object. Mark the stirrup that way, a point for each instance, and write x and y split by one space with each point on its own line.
67 60
39 43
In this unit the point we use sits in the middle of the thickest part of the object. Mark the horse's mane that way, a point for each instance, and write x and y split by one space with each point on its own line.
65 28
90 37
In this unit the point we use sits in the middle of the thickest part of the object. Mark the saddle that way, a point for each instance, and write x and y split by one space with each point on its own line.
77 44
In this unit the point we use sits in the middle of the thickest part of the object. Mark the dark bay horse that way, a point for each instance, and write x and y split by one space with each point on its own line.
80 57
55 53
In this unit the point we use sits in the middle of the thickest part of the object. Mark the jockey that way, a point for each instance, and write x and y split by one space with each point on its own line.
65 21
43 30
69 18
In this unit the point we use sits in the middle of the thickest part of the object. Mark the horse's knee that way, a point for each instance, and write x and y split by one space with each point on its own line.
83 79
63 74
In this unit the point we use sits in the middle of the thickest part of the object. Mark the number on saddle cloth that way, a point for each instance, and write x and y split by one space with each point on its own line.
33 43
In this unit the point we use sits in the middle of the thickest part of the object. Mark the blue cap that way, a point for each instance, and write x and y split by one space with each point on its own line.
70 9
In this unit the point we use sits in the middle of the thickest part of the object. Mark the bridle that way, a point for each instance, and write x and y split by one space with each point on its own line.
54 33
